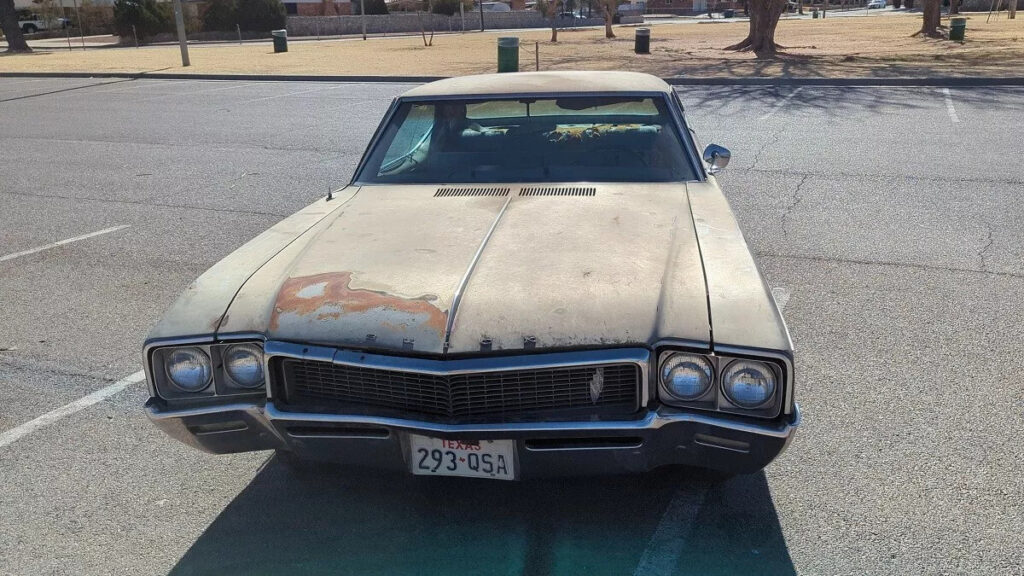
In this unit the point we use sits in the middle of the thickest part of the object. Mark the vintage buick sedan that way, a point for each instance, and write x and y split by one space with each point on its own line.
530 274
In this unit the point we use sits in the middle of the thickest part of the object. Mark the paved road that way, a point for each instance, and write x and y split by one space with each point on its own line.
888 221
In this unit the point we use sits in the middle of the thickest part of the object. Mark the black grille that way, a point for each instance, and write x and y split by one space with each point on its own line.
570 392
558 191
450 192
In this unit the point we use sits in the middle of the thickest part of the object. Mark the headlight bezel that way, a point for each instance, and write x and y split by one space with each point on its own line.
220 384
716 400
233 379
167 369
671 355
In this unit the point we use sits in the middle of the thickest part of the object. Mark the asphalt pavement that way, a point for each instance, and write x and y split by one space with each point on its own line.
889 222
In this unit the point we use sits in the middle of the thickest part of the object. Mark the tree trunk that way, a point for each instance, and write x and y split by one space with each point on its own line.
9 24
764 17
932 19
608 22
1012 10
954 6
910 4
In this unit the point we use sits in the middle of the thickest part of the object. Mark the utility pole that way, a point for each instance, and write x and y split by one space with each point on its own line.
362 16
179 19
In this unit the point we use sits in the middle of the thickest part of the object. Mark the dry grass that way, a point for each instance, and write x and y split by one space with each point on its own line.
836 47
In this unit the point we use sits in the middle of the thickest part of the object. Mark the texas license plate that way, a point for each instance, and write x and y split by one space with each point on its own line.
476 459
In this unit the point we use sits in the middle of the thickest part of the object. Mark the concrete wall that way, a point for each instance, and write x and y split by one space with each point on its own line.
406 23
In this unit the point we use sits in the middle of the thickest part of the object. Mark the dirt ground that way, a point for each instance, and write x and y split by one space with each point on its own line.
877 46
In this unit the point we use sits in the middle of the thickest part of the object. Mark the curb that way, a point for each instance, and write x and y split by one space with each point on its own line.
964 81
241 77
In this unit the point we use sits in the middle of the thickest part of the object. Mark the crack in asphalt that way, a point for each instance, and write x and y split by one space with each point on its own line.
932 267
839 175
984 249
796 199
772 140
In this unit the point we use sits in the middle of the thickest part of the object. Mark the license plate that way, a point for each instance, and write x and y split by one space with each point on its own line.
475 459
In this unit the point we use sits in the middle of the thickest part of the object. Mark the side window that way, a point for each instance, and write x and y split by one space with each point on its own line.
411 134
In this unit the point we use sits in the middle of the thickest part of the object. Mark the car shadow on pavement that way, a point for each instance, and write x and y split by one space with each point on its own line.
335 521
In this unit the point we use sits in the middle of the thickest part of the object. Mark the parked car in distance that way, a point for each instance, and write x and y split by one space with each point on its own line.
496 7
32 23
876 4
529 274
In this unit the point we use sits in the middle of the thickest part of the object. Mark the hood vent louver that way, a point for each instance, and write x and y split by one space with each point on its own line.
559 191
453 192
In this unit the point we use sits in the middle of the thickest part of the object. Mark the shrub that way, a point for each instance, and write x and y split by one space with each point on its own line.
148 17
260 15
220 15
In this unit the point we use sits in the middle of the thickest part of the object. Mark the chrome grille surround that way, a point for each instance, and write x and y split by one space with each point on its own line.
569 385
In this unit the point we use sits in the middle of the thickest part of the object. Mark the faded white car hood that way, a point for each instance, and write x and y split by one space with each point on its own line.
398 268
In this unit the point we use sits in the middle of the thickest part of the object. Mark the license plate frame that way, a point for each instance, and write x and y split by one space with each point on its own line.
489 459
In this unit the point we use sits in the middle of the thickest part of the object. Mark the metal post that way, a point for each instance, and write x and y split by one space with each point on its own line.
179 19
135 36
78 17
481 4
362 16
536 55
462 14
238 27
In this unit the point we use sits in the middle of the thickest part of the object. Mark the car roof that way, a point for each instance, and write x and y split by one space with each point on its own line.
541 83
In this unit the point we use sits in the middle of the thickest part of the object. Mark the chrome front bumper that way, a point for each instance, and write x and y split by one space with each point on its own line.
663 437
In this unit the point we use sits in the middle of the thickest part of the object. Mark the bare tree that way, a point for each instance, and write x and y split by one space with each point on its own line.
608 8
9 24
764 17
549 8
931 20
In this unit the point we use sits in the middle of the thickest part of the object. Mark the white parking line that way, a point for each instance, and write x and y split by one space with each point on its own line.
62 242
781 104
949 106
781 296
31 426
317 89
669 539
181 94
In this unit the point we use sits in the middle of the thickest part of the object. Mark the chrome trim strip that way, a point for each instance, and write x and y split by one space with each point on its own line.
457 298
675 111
653 421
462 365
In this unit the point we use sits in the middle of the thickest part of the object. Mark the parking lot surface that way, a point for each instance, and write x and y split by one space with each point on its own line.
889 223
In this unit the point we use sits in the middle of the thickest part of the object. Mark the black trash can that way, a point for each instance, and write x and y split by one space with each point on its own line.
642 41
280 40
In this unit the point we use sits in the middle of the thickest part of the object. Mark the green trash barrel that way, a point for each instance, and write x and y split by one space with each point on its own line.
642 41
280 40
957 28
508 54
814 13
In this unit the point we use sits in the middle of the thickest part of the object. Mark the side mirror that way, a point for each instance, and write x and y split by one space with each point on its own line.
717 158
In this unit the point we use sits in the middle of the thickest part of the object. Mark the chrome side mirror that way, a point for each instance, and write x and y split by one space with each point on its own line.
717 158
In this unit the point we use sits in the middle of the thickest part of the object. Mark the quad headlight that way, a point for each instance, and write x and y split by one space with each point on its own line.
686 376
207 370
244 365
748 384
189 369
721 383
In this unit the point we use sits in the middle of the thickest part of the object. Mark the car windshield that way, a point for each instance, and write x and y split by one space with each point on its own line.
564 139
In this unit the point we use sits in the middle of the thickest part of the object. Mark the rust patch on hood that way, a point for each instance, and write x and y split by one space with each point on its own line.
328 296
